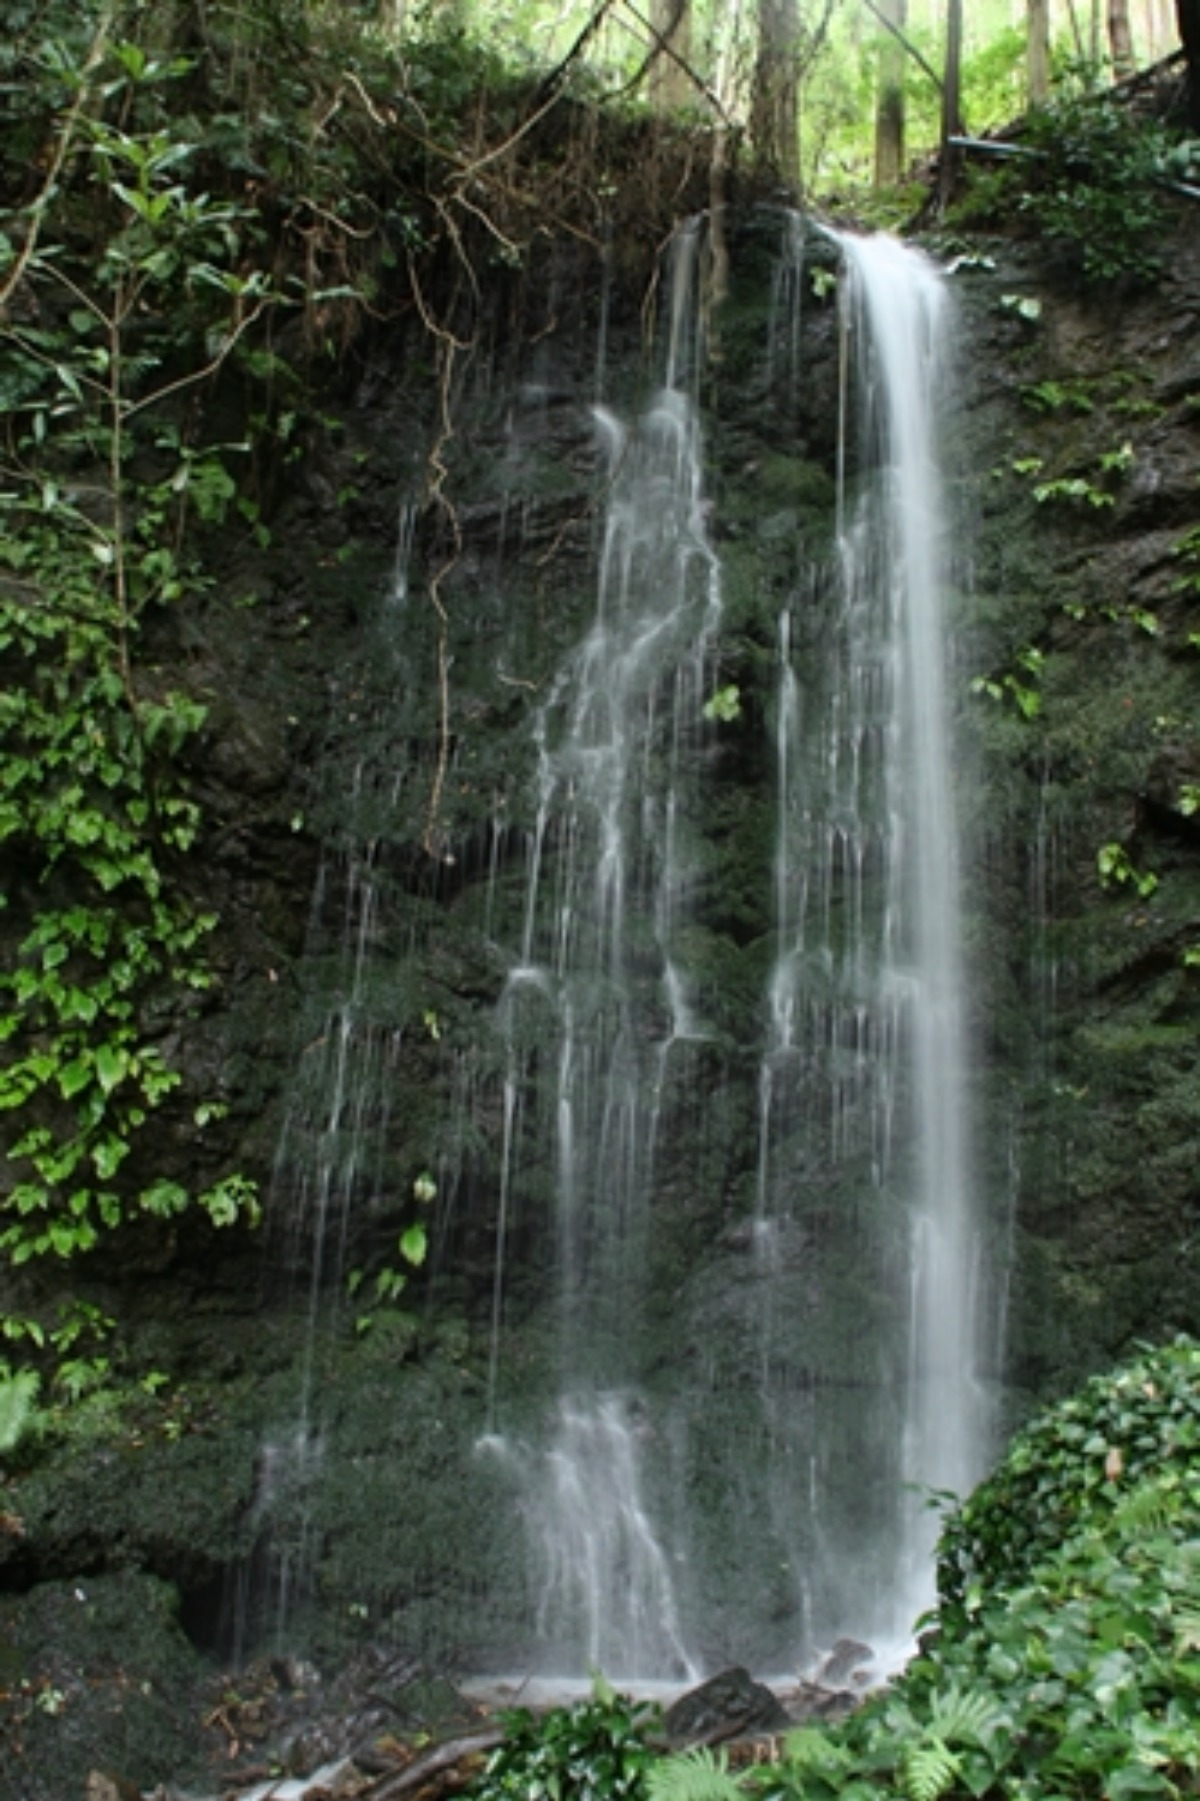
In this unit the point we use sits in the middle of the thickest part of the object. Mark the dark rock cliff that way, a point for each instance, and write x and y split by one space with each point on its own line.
372 674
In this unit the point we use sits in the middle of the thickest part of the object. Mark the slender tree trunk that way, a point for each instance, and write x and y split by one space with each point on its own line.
952 124
889 97
1188 15
775 106
1120 38
669 84
1038 54
1150 16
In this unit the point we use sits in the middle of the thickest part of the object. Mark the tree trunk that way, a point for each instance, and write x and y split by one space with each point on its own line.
775 104
1188 14
669 84
1038 57
889 97
952 125
1120 38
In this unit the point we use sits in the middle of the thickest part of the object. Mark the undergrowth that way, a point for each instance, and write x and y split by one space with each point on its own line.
1064 1661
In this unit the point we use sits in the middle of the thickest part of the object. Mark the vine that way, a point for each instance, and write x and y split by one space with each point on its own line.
100 485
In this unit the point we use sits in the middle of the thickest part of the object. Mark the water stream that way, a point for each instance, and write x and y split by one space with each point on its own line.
867 1046
735 1292
861 1081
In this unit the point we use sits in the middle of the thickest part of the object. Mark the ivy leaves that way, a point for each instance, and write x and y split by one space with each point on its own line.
97 495
595 1750
1065 1657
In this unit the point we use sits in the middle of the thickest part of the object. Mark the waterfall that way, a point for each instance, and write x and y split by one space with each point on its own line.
866 1053
692 1053
900 300
594 1007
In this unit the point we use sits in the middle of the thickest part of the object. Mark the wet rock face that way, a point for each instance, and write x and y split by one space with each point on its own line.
98 1676
731 1705
1085 427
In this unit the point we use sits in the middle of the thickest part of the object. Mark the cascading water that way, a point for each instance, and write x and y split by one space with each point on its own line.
862 1084
897 315
712 1144
595 1006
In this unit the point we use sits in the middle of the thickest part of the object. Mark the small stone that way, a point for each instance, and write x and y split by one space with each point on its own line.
102 1787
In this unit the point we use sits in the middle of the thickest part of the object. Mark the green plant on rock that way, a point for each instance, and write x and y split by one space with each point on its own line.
99 482
1117 869
18 1406
593 1750
1093 186
697 1774
1053 396
1093 489
1064 1657
1019 685
412 1247
1066 1472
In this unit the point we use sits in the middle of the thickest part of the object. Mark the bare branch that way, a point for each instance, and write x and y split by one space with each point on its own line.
663 47
907 43
61 150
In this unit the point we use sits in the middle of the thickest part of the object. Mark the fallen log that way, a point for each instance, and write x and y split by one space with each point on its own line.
432 1763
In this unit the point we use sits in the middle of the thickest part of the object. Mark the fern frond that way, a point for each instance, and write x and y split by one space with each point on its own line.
964 1716
1149 1507
18 1395
694 1775
929 1770
811 1749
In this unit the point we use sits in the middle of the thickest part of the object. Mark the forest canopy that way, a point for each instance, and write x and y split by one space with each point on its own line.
830 94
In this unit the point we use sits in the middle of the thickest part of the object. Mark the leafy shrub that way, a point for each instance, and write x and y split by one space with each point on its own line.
18 1406
1094 189
1070 1471
594 1750
1066 1661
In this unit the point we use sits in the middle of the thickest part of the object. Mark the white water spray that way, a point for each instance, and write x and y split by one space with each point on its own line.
592 1009
868 983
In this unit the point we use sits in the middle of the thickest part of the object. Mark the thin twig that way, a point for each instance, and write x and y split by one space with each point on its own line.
65 137
908 44
662 46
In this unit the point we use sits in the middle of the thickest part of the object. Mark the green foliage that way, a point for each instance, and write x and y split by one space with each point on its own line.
1094 490
725 704
1066 1472
99 489
1093 190
1065 1658
1017 685
697 1774
1116 868
18 1406
594 1750
412 1247
1188 552
1058 396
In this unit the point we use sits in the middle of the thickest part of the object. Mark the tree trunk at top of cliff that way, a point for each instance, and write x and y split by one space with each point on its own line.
952 125
1188 15
889 95
1160 30
1037 62
670 84
1120 38
775 102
